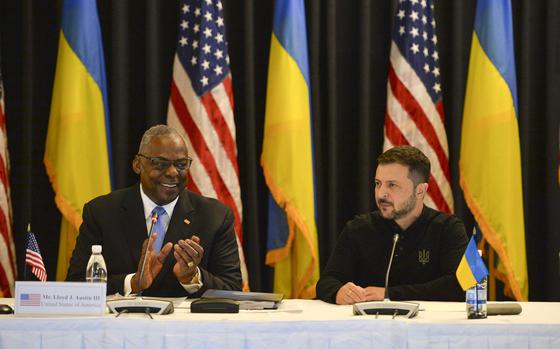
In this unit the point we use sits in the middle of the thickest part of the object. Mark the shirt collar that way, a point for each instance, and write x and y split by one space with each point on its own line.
395 228
149 205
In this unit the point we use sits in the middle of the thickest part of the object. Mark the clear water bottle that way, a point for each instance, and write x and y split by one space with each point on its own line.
476 299
96 270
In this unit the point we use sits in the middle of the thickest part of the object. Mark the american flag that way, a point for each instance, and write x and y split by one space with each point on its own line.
33 257
7 250
201 107
414 102
30 299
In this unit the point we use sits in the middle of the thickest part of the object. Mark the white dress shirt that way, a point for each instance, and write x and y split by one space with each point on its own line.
149 205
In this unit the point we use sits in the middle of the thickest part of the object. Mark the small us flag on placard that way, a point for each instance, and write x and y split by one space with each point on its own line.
30 299
33 257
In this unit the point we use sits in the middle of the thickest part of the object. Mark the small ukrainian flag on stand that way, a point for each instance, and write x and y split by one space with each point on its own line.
472 269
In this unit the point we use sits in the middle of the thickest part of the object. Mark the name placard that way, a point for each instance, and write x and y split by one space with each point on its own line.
60 298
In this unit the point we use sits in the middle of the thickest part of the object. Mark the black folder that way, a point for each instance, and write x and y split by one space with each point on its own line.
247 300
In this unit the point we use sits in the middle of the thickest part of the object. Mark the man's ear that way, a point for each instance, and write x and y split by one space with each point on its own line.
136 165
422 189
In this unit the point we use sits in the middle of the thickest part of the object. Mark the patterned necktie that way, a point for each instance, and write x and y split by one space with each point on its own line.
159 227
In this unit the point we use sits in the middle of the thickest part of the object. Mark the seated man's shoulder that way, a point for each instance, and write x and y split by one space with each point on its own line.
447 225
442 218
203 202
361 222
112 198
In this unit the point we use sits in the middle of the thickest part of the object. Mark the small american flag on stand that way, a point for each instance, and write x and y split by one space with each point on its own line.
33 257
201 107
414 102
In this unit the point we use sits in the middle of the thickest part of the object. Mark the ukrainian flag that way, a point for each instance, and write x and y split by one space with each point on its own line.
287 156
471 269
490 161
78 144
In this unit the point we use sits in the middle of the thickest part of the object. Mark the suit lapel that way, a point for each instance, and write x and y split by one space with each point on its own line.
134 224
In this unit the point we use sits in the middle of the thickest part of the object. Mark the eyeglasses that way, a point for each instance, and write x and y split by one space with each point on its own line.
162 164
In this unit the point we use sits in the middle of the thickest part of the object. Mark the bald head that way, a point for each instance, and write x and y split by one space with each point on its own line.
157 131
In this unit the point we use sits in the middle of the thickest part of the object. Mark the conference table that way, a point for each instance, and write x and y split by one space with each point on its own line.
295 324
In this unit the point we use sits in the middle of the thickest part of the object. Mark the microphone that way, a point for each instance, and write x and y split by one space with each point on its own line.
153 220
395 240
386 306
139 304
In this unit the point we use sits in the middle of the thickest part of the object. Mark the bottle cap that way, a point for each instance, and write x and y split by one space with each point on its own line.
96 248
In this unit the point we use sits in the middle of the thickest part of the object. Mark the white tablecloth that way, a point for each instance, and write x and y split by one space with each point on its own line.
297 324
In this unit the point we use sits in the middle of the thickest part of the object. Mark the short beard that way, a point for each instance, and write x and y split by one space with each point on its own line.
408 206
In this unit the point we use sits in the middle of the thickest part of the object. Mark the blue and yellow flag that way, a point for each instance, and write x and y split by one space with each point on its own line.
490 161
77 151
287 156
471 269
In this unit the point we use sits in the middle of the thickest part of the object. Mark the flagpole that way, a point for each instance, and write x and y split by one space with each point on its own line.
25 264
492 278
475 285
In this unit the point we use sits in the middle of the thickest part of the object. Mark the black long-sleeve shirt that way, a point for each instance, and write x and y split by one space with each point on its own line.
426 257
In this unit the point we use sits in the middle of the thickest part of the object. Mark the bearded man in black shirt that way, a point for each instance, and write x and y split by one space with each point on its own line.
427 254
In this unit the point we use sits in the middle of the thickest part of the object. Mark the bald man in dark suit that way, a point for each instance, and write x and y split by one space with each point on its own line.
196 249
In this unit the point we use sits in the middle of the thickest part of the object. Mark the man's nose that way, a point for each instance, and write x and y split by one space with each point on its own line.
382 191
171 171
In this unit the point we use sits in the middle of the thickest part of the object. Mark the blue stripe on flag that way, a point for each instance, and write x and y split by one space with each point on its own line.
493 27
80 25
277 225
475 262
82 31
289 28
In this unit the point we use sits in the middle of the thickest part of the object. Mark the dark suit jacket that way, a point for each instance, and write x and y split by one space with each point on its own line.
116 221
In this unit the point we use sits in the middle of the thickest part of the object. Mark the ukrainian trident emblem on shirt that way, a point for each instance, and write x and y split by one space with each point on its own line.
423 256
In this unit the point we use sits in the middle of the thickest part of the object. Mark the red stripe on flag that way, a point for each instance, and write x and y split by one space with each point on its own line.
417 114
40 273
439 108
191 184
393 132
3 168
37 267
3 174
396 137
33 258
229 90
7 259
5 289
6 236
4 230
2 115
437 196
221 128
203 152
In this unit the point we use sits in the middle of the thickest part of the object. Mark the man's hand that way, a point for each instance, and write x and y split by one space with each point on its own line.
188 254
374 293
350 294
153 266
